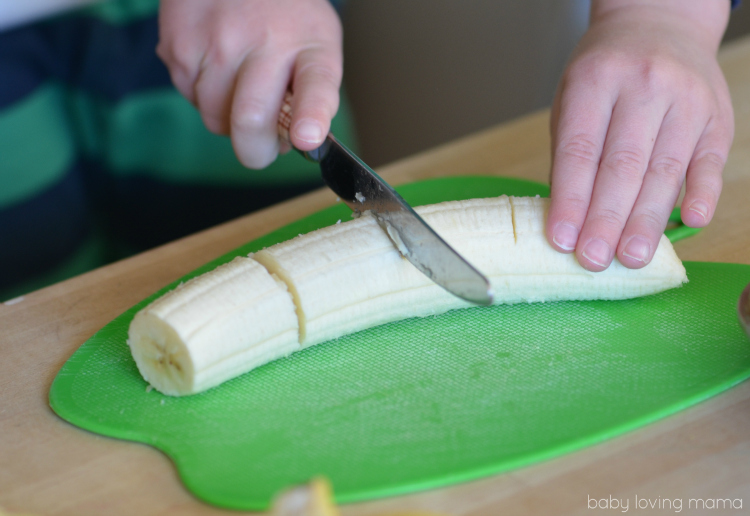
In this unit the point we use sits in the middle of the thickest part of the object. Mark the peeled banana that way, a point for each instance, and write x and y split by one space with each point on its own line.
350 276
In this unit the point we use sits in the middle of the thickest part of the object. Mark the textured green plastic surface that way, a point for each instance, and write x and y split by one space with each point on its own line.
423 403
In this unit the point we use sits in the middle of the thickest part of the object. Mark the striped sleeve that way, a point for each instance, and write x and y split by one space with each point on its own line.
100 156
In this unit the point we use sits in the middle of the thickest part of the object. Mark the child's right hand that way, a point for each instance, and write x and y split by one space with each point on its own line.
235 59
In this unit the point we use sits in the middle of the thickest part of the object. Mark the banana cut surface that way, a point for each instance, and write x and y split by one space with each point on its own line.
350 276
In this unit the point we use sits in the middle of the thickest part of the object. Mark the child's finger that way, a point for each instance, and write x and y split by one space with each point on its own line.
704 181
316 83
579 129
674 146
180 50
261 84
213 93
627 149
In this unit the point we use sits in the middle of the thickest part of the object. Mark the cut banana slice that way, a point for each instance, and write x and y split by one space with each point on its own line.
213 328
350 276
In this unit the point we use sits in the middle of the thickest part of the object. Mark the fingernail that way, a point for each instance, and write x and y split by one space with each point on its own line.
565 236
638 248
309 131
598 252
699 207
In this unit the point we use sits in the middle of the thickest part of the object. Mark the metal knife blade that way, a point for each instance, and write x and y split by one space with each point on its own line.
362 189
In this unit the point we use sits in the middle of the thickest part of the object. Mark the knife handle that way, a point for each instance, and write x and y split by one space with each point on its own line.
285 120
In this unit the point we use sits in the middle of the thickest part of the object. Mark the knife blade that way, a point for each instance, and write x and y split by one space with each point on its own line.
362 190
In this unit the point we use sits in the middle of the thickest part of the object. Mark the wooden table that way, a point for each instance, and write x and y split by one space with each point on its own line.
50 467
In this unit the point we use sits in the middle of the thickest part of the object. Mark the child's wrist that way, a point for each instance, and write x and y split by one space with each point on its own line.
704 19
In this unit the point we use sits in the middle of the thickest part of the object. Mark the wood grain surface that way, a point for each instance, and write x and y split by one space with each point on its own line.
50 467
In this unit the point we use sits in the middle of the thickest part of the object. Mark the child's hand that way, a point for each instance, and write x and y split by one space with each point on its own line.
235 59
642 103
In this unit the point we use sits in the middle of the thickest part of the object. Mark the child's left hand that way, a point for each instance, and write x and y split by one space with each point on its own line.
642 106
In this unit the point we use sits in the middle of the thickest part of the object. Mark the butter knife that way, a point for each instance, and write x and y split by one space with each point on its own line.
362 190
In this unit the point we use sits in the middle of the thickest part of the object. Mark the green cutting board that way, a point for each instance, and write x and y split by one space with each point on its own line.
423 403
